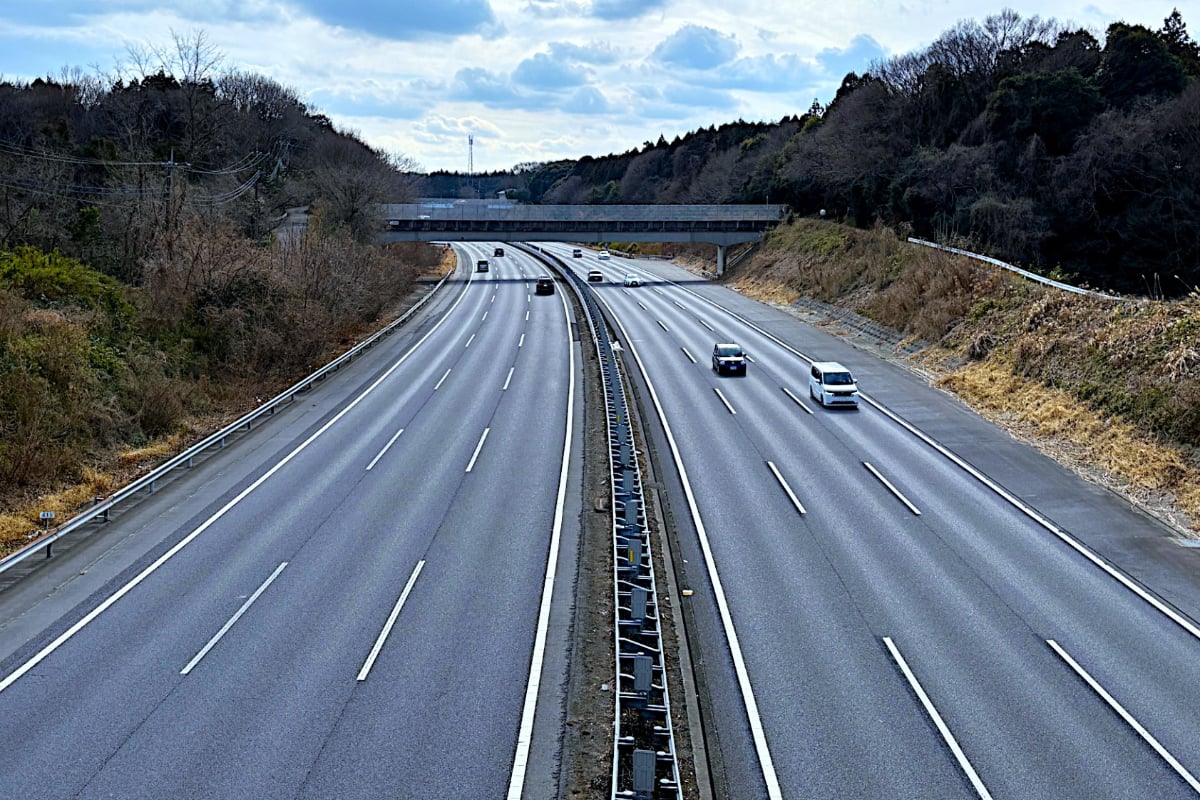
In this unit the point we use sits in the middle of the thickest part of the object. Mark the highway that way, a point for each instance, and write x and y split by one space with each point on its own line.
875 619
353 602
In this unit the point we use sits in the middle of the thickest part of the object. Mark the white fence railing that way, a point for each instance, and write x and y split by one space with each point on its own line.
1066 287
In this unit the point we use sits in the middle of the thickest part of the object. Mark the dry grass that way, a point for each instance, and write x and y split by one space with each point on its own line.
1111 389
1103 448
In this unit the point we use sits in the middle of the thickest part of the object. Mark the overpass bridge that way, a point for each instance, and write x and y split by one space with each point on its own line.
449 220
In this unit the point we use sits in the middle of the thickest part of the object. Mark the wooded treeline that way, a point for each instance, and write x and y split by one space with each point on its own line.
1023 138
142 285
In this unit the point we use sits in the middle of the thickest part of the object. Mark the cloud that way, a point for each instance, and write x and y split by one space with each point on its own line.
863 50
769 73
554 9
543 71
624 9
695 47
587 100
479 85
600 53
675 100
409 20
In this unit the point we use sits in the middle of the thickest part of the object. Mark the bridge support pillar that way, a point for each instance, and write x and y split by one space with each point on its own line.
721 248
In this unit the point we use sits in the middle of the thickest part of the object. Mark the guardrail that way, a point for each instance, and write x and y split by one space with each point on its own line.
1066 287
187 457
644 764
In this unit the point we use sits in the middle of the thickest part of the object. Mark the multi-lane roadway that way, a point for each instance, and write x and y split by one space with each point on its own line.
879 617
355 604
355 600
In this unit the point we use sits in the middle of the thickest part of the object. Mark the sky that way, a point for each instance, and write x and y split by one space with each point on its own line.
530 80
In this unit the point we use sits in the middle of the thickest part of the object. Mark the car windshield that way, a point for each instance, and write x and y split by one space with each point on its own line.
838 379
728 350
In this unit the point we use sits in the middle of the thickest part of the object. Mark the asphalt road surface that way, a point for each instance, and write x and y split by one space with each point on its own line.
900 601
345 604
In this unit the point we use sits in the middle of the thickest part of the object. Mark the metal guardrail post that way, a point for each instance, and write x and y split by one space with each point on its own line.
217 439
644 762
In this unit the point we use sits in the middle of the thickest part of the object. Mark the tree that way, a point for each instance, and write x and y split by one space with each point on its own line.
1175 36
1135 64
1054 106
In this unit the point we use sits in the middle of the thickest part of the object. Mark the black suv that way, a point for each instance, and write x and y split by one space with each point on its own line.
498 252
481 265
728 359
544 286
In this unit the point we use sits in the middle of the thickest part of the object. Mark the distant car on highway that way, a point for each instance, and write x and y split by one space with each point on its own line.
481 265
499 251
831 384
603 255
576 253
595 276
544 286
728 358
632 280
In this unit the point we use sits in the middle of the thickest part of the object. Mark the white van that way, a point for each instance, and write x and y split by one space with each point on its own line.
831 384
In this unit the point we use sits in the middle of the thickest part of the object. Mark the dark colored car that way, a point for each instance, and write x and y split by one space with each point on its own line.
728 359
481 265
499 251
544 286
595 276
576 253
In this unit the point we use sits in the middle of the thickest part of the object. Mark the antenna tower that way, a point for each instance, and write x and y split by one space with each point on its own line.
471 155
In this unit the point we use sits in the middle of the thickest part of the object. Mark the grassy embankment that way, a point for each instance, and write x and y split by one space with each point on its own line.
100 382
1112 389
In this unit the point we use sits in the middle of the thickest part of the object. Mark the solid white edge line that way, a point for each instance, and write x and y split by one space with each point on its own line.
516 780
386 447
691 357
438 385
955 459
478 447
1126 716
797 400
661 325
943 729
765 760
468 344
521 342
185 541
892 488
791 495
391 621
238 615
723 400
508 379
705 324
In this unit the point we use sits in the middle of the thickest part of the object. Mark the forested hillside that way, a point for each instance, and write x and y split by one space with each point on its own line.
143 293
1024 138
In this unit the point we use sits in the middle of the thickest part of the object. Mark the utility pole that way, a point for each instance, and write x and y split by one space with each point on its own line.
471 160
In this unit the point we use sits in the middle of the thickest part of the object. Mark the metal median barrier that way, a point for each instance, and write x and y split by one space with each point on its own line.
100 510
644 766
